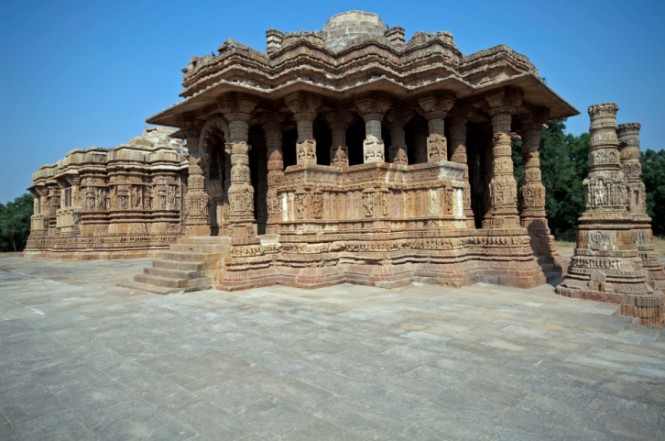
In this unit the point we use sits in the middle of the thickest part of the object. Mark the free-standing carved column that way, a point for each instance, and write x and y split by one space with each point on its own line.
304 107
372 110
458 155
237 110
339 152
197 222
606 265
629 149
398 152
436 109
503 186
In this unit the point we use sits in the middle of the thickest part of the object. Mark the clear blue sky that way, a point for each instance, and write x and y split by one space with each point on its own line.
81 73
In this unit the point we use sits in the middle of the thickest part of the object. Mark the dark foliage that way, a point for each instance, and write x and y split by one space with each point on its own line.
15 223
653 175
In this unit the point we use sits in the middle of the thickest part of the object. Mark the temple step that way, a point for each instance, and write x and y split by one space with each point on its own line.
198 248
147 287
184 284
183 266
188 265
175 274
205 240
183 256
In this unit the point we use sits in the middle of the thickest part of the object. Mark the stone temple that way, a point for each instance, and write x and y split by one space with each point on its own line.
342 155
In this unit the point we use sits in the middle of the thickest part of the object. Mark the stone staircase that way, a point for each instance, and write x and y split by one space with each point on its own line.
188 265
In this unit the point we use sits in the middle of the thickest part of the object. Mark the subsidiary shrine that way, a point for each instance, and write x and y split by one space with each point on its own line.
343 155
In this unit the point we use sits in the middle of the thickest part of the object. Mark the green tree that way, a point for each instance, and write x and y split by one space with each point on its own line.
653 175
15 223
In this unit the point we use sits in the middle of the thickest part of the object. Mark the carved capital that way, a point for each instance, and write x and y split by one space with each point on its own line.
373 108
505 101
304 106
237 107
399 118
338 119
436 106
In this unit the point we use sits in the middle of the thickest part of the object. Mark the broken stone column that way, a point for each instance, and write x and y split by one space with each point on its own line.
629 149
606 265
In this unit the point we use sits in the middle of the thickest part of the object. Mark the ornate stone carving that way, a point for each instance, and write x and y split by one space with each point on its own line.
503 187
436 109
607 264
372 109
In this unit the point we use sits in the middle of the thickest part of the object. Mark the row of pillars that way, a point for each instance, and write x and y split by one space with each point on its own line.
237 109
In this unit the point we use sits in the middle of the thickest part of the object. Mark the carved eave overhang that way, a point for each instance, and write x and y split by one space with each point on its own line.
536 93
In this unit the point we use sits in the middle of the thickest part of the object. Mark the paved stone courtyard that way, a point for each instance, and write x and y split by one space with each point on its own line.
84 359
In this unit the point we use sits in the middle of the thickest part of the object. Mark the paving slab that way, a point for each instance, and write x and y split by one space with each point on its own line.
86 356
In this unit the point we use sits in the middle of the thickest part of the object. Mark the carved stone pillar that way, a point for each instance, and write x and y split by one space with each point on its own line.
436 109
338 123
606 265
273 134
629 149
238 110
197 221
304 108
398 152
533 190
372 110
503 186
458 155
534 217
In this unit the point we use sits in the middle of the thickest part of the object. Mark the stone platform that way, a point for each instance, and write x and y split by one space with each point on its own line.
81 358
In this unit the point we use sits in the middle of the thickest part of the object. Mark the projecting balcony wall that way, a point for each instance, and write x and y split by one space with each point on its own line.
369 197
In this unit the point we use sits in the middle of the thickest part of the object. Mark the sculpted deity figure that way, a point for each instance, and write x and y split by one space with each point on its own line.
136 197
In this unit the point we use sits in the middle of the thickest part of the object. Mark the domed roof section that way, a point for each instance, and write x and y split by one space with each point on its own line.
347 26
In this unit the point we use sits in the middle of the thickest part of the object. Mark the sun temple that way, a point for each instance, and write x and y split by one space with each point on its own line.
343 155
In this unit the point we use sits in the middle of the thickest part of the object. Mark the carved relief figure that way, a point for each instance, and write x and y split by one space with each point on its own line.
368 204
137 197
171 196
317 205
300 205
90 199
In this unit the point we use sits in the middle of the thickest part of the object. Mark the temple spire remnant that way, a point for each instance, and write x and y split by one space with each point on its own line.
606 265
629 150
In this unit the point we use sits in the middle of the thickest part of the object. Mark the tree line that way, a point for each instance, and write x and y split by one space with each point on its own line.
563 162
